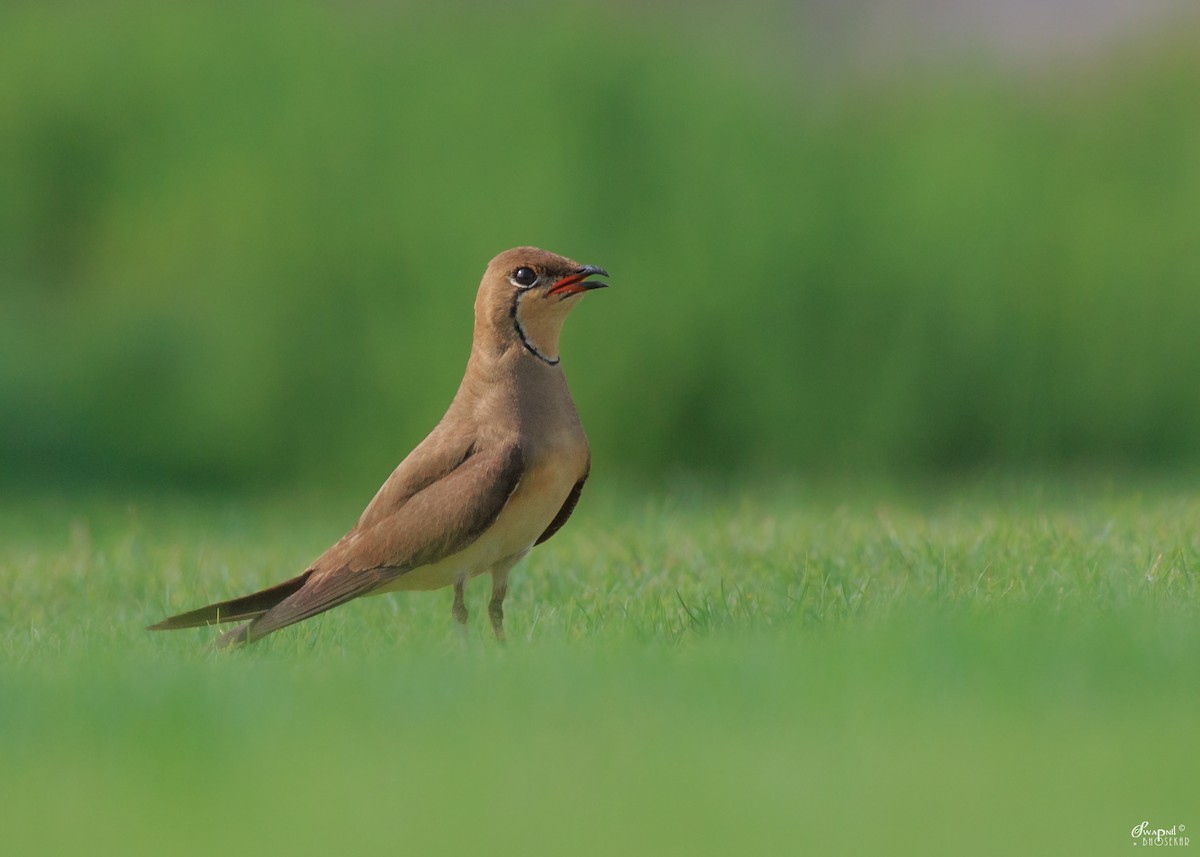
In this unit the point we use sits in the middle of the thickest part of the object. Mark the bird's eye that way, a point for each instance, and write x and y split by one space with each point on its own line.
524 277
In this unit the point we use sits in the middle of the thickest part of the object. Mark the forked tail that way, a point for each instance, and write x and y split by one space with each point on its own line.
236 609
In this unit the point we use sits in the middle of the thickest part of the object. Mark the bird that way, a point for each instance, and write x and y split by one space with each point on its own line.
499 474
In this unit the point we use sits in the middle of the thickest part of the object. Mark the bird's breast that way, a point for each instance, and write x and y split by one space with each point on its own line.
539 496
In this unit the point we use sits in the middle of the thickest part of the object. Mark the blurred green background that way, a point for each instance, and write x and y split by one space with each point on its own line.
239 245
934 246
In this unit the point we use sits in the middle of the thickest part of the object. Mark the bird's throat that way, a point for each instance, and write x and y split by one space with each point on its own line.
537 332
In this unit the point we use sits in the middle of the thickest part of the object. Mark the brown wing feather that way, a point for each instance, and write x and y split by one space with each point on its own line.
437 521
564 513
324 594
443 451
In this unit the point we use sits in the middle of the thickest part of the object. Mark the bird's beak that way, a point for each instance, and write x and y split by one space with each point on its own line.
577 282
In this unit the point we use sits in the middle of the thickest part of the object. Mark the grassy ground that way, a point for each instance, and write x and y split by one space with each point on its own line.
983 670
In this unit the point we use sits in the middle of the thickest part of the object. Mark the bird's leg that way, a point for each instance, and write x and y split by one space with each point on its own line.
499 589
496 605
459 610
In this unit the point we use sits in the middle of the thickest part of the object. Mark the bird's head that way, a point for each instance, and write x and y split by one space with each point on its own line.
526 294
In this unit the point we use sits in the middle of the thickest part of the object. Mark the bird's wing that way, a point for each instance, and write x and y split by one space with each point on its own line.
568 507
439 520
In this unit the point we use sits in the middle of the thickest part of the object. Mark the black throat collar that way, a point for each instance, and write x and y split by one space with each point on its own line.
529 346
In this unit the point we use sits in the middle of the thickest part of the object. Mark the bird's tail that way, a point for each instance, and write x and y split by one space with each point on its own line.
235 610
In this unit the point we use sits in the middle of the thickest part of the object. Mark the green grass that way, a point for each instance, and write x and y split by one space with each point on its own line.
970 670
